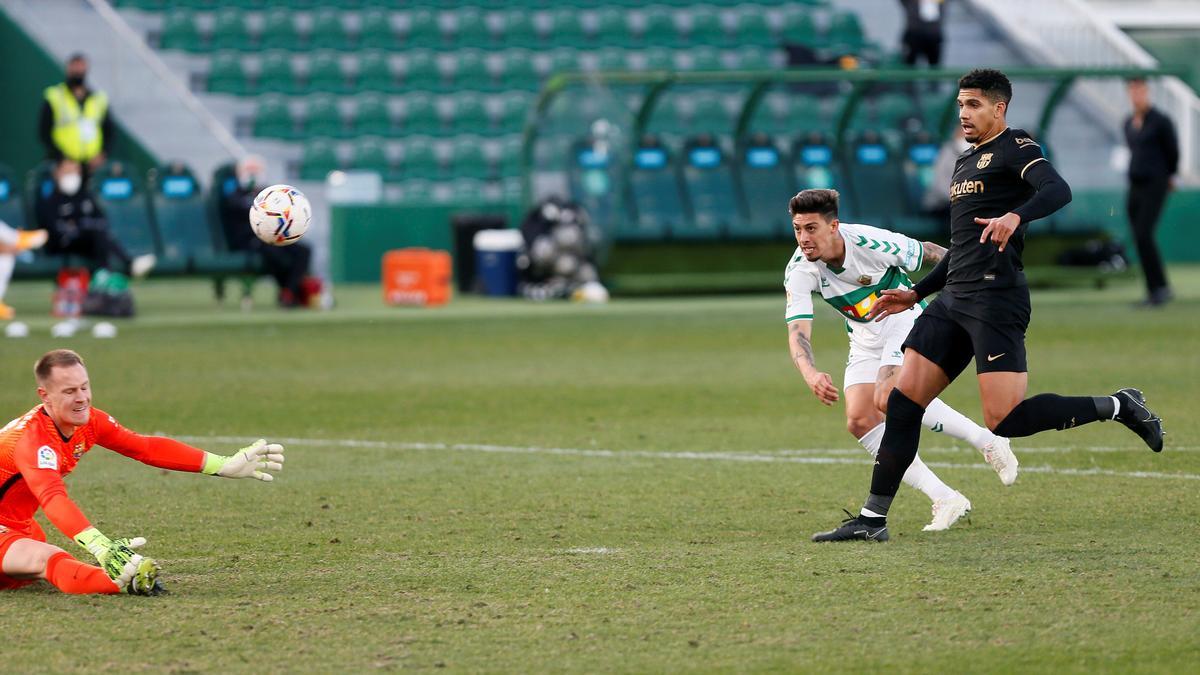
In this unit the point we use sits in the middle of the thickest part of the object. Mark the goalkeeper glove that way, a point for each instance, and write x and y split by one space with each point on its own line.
113 556
254 460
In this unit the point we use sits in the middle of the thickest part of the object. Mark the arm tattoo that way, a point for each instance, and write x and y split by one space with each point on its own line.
933 252
805 345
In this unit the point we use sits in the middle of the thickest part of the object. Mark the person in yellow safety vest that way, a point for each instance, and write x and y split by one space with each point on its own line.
75 123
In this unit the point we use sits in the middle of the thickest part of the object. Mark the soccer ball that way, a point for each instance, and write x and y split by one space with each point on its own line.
280 215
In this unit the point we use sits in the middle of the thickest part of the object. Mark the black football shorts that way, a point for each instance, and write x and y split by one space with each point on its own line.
985 325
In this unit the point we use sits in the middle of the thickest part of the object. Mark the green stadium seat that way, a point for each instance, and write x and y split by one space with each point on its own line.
508 159
563 61
320 157
226 75
470 71
518 71
273 118
327 31
198 5
371 116
704 58
467 158
706 28
657 203
180 32
566 29
800 28
374 73
469 29
612 60
709 116
369 154
420 115
766 184
469 114
657 29
709 188
421 71
422 29
277 74
751 58
144 5
845 31
121 194
375 31
280 31
897 111
323 118
612 28
514 108
520 31
230 32
752 29
419 160
658 58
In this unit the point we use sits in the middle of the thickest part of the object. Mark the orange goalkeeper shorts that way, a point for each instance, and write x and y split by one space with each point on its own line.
9 536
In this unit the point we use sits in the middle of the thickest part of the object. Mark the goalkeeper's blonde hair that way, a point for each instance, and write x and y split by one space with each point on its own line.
57 358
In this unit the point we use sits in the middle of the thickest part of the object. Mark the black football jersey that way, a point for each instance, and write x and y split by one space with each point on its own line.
989 181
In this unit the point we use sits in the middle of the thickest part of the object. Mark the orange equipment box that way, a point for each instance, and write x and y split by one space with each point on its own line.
416 276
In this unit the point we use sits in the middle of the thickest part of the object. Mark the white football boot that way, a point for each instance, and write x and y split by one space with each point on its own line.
999 454
947 511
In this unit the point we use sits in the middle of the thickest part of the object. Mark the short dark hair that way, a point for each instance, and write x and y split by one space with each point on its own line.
77 56
993 83
824 202
58 358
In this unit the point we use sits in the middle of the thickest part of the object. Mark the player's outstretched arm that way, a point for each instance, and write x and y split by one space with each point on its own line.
800 345
253 461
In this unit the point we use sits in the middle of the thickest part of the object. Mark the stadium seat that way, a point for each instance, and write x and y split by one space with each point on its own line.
709 115
706 28
799 28
12 209
751 28
514 109
508 158
273 118
467 158
122 196
184 224
704 58
898 111
322 118
658 58
657 28
766 186
519 30
753 58
320 157
376 31
875 180
371 116
369 154
421 71
563 61
325 74
658 207
469 114
419 160
517 71
613 59
374 73
814 163
277 74
594 181
708 181
180 32
420 115
470 71
327 31
280 31
229 32
845 32
421 29
226 75
612 28
566 29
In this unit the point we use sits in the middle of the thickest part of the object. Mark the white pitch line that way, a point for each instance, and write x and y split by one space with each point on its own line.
652 454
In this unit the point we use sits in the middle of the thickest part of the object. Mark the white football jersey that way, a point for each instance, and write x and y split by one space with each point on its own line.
876 260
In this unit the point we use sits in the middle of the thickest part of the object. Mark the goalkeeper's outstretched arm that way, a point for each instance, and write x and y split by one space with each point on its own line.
256 460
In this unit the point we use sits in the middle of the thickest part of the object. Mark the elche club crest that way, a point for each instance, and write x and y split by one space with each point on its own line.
984 160
864 280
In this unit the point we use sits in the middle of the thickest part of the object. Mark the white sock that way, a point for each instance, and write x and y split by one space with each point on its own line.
1116 402
942 418
864 511
6 268
918 475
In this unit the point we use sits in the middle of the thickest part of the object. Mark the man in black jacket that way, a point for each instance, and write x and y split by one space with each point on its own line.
1154 158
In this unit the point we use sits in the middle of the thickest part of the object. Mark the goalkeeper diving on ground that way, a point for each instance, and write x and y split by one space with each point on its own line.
42 446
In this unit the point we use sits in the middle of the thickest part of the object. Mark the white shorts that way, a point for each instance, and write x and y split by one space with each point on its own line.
870 352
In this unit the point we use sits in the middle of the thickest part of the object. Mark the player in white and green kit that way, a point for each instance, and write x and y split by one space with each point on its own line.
850 266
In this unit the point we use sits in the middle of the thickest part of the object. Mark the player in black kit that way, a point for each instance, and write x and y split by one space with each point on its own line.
1000 184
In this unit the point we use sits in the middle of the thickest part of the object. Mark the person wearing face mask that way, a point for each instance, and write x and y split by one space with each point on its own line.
76 225
74 122
287 265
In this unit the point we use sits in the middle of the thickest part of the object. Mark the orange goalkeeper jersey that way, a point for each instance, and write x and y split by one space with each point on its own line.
34 457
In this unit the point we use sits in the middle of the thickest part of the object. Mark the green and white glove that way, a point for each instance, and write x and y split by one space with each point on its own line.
117 558
252 461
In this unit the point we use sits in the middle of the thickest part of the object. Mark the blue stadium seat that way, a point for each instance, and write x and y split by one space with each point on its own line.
12 203
656 194
766 183
711 194
594 181
874 180
814 163
122 196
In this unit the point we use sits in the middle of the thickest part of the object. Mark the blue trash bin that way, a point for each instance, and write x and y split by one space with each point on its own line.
496 260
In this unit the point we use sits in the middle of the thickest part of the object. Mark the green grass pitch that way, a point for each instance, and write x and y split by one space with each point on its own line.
498 486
